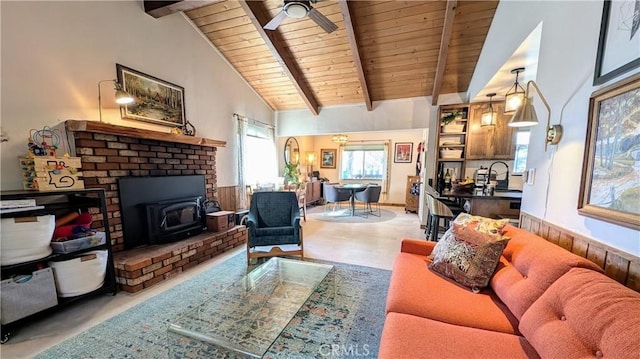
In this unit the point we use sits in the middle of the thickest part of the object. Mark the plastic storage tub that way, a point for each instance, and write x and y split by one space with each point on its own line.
79 244
27 295
25 238
80 275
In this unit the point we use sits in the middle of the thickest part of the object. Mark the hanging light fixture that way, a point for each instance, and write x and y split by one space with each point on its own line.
489 117
340 138
515 96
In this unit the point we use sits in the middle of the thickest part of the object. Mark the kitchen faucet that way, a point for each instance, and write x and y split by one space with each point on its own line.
501 184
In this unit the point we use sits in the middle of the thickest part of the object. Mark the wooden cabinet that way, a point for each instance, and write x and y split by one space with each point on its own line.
313 192
56 203
412 200
451 140
489 142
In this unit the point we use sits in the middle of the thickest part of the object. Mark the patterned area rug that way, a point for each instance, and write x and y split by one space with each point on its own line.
342 318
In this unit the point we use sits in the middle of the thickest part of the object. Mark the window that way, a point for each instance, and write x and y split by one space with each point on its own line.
260 156
364 162
522 148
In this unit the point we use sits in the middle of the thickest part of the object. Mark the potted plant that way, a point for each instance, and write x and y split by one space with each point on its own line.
291 173
446 119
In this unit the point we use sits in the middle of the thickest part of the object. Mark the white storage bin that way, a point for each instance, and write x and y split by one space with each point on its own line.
80 243
80 275
25 238
25 296
450 153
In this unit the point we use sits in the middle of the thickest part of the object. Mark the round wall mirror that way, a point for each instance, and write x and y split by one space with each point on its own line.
291 151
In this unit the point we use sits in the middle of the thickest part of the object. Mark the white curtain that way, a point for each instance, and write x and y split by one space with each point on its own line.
257 163
242 135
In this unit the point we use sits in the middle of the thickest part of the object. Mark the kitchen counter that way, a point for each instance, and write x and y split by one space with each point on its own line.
502 204
479 195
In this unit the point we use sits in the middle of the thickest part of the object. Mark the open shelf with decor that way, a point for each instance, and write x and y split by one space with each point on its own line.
451 142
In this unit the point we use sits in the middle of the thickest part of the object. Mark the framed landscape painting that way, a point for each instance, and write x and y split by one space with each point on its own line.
610 187
328 158
156 100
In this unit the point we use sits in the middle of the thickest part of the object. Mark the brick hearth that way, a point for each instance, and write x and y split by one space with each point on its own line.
109 152
141 268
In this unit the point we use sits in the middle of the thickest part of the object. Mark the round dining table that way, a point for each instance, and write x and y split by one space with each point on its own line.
353 188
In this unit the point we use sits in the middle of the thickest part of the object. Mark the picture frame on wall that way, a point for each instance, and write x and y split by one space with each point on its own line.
403 152
610 185
619 42
156 100
328 158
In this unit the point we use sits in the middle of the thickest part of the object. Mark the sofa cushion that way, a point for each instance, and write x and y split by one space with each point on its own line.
584 314
412 337
529 265
468 255
414 289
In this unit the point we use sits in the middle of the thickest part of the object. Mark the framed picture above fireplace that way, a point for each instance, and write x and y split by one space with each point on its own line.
156 100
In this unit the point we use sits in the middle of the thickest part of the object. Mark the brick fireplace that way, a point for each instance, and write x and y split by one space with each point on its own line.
110 152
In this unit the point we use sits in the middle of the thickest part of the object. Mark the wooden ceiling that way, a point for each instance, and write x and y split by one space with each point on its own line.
382 50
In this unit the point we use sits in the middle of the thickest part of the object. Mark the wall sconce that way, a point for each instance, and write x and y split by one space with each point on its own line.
515 96
339 138
526 116
489 117
122 97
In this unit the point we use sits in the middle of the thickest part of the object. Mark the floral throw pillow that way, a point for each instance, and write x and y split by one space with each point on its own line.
468 256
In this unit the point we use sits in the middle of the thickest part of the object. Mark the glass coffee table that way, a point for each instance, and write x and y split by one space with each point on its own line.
246 318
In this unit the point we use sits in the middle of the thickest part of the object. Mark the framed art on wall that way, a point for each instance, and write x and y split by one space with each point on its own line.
403 152
156 100
619 43
610 186
328 158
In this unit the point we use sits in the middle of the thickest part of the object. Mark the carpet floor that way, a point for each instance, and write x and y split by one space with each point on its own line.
342 318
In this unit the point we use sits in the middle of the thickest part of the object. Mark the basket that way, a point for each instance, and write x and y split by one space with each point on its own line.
81 243
26 295
80 275
450 153
452 128
25 238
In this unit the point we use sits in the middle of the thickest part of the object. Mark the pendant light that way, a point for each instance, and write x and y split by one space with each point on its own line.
340 138
489 117
515 96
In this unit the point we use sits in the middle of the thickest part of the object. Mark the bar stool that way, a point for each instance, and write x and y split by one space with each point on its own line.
437 211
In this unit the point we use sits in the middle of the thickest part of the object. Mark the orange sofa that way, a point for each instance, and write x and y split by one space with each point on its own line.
542 301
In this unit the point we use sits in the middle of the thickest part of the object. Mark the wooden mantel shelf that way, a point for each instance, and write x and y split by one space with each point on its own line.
107 128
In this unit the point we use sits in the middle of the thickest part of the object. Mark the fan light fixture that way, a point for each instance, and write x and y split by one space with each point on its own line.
515 96
122 97
339 138
489 117
296 10
526 116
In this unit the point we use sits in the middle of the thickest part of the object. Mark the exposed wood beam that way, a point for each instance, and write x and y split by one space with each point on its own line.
161 8
449 15
353 43
259 16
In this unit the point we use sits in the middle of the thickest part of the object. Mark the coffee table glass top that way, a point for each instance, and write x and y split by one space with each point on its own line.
248 316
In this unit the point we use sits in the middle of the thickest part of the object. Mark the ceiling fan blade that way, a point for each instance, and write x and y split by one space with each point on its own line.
322 21
276 21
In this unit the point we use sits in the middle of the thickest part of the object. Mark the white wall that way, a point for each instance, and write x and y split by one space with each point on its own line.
54 53
565 76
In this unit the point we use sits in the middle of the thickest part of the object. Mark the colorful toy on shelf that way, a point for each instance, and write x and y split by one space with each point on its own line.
44 142
72 225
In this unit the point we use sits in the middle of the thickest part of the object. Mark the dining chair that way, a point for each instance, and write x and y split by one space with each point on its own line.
370 195
301 193
334 196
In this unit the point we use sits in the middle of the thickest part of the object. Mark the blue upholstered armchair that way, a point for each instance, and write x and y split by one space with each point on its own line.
274 220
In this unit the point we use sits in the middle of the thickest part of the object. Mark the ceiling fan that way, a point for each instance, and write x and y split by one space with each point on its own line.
298 9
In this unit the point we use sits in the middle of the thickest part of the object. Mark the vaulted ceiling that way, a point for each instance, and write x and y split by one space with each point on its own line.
382 50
